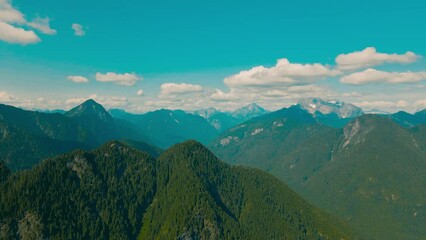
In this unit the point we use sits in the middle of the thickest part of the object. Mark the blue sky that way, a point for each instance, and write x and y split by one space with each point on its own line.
180 53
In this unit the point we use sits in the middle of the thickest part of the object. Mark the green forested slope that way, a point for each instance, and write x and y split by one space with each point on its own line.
118 192
371 172
82 195
26 137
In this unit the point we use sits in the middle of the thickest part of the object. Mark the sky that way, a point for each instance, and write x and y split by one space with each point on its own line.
146 55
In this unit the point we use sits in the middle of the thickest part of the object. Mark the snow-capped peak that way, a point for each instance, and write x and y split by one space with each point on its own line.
340 108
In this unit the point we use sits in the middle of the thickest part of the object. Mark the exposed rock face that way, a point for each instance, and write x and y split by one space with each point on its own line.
340 108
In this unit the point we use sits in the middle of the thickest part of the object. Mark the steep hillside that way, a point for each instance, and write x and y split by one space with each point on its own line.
117 192
26 137
55 126
369 173
101 194
20 149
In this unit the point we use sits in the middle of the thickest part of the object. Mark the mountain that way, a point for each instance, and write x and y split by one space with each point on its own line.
248 112
368 173
221 121
164 127
325 107
409 120
26 137
55 126
101 194
93 117
117 192
20 149
225 120
332 113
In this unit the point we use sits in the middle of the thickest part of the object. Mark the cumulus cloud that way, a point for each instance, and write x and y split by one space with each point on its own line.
106 101
78 79
139 92
274 87
9 14
382 104
42 25
12 34
283 73
13 24
375 76
352 94
220 96
78 29
420 104
179 88
5 97
37 103
369 57
126 79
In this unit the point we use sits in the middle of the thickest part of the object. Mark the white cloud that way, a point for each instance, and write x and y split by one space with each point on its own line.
283 73
178 88
6 97
369 57
139 92
78 29
220 96
375 76
420 104
352 94
37 103
274 87
382 104
42 25
78 79
126 79
106 101
12 34
9 14
13 26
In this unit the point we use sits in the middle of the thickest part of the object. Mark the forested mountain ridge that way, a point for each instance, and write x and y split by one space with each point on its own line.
55 125
369 172
26 137
117 191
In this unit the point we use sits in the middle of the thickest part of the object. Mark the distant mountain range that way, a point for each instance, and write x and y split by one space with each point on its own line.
29 136
88 125
369 172
409 120
164 127
225 120
118 192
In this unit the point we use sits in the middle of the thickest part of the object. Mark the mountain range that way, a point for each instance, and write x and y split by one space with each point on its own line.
366 169
29 136
225 120
369 172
